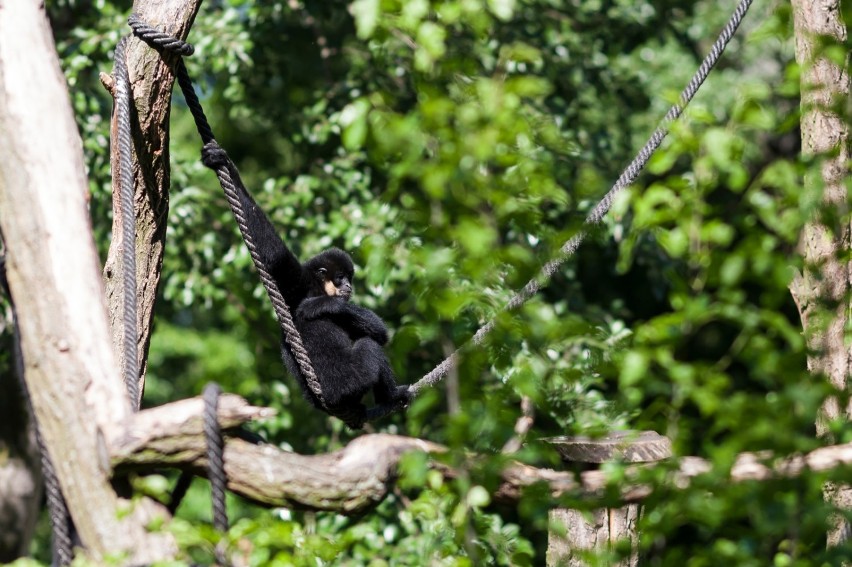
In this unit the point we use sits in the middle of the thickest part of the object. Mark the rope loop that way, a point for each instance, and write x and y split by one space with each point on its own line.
158 39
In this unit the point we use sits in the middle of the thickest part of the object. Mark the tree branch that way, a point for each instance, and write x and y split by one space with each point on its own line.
358 477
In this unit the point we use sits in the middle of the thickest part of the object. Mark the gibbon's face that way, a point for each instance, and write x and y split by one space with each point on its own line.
330 274
335 283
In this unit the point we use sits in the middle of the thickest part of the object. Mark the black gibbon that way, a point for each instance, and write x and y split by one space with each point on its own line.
344 341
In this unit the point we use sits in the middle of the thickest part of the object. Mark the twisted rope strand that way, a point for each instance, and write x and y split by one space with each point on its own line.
158 39
194 105
215 455
60 519
63 548
282 310
628 176
128 225
212 431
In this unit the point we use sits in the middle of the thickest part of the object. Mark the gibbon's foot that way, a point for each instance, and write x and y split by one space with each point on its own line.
354 418
403 396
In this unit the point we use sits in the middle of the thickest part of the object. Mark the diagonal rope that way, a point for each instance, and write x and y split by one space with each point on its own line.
628 176
60 518
282 310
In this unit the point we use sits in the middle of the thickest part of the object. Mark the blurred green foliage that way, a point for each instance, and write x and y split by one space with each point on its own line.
452 147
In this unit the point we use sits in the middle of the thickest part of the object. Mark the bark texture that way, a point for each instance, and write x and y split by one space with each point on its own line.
151 80
575 532
822 292
53 274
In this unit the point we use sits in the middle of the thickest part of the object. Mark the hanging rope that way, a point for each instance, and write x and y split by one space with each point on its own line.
128 224
216 466
215 455
212 432
627 177
215 448
227 173
60 518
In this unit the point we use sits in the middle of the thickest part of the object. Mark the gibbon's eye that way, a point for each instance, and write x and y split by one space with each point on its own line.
322 272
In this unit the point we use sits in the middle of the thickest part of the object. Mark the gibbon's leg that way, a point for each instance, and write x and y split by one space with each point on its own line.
377 373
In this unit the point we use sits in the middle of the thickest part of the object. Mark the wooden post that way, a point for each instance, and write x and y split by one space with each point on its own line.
574 531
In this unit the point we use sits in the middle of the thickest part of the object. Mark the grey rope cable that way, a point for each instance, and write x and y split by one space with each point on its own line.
282 310
223 172
216 157
628 176
60 518
128 224
212 431
215 455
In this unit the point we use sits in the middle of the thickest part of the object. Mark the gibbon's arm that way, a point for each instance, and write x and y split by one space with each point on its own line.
357 321
365 321
282 264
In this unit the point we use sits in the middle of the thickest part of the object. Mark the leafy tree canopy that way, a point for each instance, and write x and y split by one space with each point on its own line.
452 147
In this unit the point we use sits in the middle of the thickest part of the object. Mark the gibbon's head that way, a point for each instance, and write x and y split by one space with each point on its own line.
330 273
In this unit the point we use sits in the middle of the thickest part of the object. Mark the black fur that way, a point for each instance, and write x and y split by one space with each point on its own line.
344 341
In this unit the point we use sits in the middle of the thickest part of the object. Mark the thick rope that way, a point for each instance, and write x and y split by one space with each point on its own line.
128 224
60 518
627 177
157 39
215 455
224 166
212 432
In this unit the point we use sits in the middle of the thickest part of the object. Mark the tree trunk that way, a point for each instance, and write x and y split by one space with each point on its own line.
53 273
822 291
151 80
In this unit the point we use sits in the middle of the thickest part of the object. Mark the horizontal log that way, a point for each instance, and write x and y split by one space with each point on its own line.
358 477
173 434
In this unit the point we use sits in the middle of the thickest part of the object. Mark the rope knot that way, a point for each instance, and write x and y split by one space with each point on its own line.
158 39
214 156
